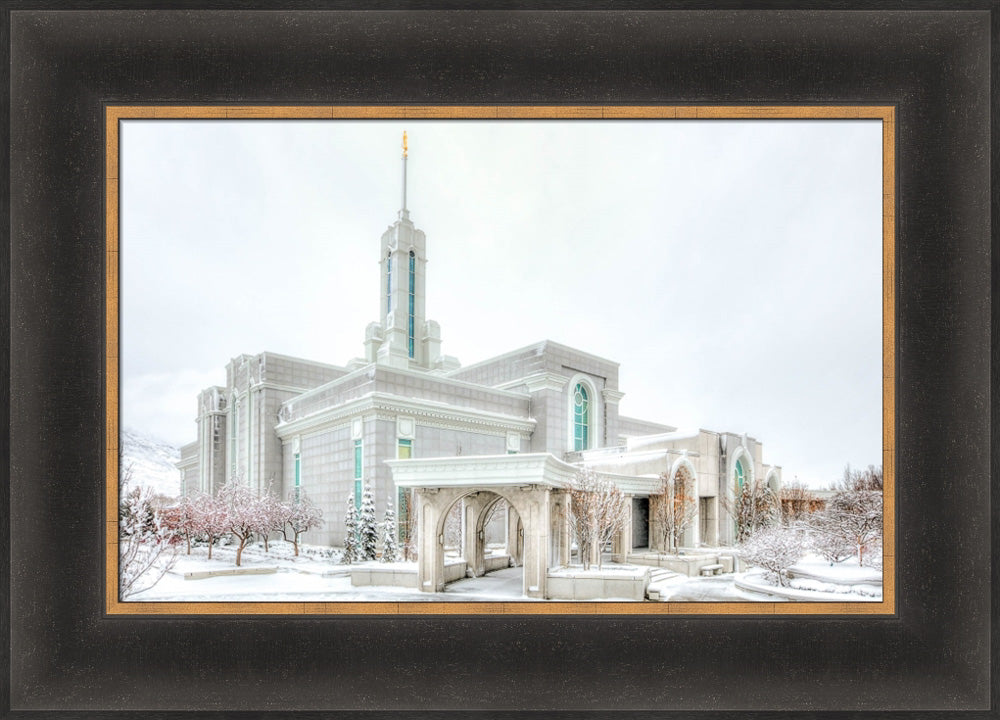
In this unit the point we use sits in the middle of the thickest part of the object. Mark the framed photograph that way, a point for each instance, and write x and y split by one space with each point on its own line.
457 337
519 478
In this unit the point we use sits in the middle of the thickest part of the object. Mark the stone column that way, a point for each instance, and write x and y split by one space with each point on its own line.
430 563
513 536
536 542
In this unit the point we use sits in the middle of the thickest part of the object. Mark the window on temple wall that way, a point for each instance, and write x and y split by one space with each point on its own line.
413 283
405 450
740 475
403 521
388 285
235 411
581 417
357 473
298 475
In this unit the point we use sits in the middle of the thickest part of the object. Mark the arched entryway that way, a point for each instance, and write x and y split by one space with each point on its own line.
532 485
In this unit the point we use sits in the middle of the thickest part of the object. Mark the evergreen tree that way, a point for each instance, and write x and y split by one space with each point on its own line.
367 526
351 531
389 549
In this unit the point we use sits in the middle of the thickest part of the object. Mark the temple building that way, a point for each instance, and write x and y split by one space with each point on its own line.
431 435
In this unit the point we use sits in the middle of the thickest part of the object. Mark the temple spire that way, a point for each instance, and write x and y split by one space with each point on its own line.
404 214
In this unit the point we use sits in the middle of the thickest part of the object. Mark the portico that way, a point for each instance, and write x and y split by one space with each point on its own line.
535 487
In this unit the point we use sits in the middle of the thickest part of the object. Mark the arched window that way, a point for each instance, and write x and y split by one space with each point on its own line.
581 417
740 475
413 283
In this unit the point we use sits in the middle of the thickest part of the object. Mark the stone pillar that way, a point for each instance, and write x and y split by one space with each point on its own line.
567 532
513 535
475 535
536 542
430 562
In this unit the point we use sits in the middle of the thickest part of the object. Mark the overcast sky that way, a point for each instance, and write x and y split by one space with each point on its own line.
733 268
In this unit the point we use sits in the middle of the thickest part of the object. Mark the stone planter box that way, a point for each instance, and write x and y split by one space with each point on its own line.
202 574
592 585
393 577
689 565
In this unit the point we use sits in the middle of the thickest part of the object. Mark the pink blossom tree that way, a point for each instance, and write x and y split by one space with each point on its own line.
211 519
300 515
181 518
247 515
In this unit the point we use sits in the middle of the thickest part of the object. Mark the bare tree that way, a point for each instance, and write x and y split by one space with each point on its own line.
675 507
599 510
753 507
796 502
856 508
147 547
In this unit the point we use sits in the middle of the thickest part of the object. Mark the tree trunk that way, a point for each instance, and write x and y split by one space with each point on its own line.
295 542
239 551
189 543
266 548
210 543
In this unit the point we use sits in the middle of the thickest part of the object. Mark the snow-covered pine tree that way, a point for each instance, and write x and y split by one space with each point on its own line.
351 531
389 549
367 526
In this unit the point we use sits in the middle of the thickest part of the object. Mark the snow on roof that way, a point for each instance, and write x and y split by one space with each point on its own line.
634 443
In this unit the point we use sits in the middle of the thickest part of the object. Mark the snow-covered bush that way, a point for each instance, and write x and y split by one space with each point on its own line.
827 539
350 531
389 549
147 547
367 526
774 549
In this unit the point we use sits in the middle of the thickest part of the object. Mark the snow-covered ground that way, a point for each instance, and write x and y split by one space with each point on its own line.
317 576
151 461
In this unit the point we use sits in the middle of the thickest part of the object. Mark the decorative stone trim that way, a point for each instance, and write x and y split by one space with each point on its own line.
612 397
406 427
544 381
389 407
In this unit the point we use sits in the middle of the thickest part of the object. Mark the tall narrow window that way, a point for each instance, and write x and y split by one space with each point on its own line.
403 521
740 475
357 473
298 475
405 450
235 419
388 285
581 417
413 283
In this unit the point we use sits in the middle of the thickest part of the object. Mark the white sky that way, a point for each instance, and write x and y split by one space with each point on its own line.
733 268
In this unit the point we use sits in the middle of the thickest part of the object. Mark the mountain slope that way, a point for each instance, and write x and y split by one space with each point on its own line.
151 461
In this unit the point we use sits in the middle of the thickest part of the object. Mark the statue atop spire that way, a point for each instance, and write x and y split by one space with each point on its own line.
404 214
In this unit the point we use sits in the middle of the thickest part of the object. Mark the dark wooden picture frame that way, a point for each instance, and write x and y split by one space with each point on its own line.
70 658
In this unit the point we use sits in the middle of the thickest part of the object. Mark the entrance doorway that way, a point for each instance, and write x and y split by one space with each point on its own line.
640 522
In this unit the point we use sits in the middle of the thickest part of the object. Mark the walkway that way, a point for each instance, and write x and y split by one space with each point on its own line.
500 584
